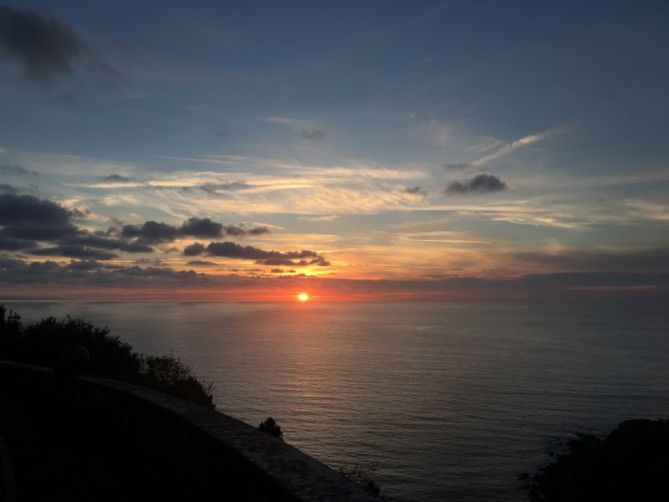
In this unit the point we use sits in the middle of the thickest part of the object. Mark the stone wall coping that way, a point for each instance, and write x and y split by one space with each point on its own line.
303 477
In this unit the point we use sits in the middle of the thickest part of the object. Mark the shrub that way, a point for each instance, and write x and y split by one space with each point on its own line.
171 376
42 343
10 332
270 426
630 464
363 477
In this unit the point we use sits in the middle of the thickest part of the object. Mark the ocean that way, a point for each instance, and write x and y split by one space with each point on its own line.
442 401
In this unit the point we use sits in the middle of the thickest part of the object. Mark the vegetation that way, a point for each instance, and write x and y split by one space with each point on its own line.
270 426
363 477
631 464
42 343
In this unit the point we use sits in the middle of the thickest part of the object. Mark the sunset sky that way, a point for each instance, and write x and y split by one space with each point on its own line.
355 150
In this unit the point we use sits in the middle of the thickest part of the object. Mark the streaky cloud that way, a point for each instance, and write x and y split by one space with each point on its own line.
523 142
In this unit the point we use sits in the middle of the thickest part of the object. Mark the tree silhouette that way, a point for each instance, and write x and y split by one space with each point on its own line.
270 426
42 343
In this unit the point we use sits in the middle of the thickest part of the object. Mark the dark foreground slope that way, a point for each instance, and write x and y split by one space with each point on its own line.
92 438
630 464
134 428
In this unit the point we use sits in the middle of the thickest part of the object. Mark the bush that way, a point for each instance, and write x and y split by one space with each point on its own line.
631 464
42 343
171 376
10 332
270 426
363 477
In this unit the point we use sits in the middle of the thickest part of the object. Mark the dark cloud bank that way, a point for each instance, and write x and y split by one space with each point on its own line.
18 279
26 221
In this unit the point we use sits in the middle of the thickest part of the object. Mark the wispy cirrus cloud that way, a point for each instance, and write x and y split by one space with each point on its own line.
499 151
302 128
282 120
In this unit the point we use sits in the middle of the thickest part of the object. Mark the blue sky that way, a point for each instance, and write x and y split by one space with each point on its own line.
399 141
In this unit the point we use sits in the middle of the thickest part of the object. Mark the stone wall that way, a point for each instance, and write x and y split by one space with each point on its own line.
202 454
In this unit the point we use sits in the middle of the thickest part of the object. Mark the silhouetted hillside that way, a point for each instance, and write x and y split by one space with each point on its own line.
43 342
631 464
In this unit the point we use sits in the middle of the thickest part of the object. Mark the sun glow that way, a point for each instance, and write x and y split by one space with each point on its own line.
303 297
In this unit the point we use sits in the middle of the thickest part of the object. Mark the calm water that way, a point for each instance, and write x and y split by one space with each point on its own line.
447 401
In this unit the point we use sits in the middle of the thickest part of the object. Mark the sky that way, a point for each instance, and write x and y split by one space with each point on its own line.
367 150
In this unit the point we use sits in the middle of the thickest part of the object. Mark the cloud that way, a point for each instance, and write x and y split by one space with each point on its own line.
432 131
274 258
459 166
639 260
239 230
117 178
234 250
4 187
38 232
103 242
26 220
312 134
11 244
299 127
151 231
74 252
281 120
202 263
195 249
84 265
46 47
259 230
202 228
19 279
486 144
91 273
26 209
227 186
523 142
415 190
479 184
29 218
15 169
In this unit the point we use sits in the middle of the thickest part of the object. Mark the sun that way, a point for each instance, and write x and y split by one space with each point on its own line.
303 297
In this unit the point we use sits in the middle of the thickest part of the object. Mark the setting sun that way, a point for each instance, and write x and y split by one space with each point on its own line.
303 297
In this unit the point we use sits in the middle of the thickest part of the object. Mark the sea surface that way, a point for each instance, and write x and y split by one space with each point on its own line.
446 402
